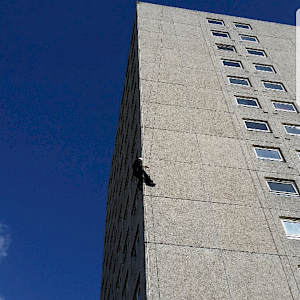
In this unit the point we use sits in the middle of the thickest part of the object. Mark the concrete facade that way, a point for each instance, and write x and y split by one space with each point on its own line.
211 228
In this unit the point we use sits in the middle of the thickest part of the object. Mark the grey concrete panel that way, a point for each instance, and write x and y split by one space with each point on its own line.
206 99
170 56
152 280
171 74
150 55
291 269
171 94
243 228
221 151
168 41
189 31
148 91
149 39
213 122
183 222
194 60
277 43
149 24
232 186
256 276
173 146
185 16
169 117
203 79
187 44
176 180
149 71
268 29
149 11
286 58
168 27
190 273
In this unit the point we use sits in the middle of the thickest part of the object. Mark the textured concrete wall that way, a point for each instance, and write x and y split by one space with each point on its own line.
212 227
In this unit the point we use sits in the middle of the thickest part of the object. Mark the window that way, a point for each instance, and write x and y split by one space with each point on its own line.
220 34
291 227
248 38
226 47
264 68
268 153
292 129
282 187
256 52
273 86
240 25
231 63
298 152
284 106
247 101
216 22
239 81
257 125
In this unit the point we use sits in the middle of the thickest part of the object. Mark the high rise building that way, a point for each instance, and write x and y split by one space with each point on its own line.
209 103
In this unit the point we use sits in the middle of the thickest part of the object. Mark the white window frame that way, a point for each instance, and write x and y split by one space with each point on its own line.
228 46
291 126
247 98
287 103
234 77
256 121
290 220
238 25
283 182
278 83
215 20
234 61
257 50
249 36
222 32
271 67
267 158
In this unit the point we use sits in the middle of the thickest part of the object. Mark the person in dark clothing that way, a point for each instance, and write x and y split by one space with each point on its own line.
138 171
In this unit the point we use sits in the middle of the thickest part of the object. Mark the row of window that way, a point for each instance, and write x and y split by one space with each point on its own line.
264 126
250 51
246 38
238 64
269 85
253 102
237 25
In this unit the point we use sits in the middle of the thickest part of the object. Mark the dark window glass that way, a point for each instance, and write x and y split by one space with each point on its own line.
242 26
248 38
273 86
292 129
226 48
272 154
264 68
215 22
221 34
231 63
247 102
282 187
240 81
257 125
256 52
284 106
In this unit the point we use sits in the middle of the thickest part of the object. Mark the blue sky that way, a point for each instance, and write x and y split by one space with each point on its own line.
62 72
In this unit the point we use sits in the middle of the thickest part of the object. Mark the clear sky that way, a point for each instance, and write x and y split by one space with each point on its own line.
62 72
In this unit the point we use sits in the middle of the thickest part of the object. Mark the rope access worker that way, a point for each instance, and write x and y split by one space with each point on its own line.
138 171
